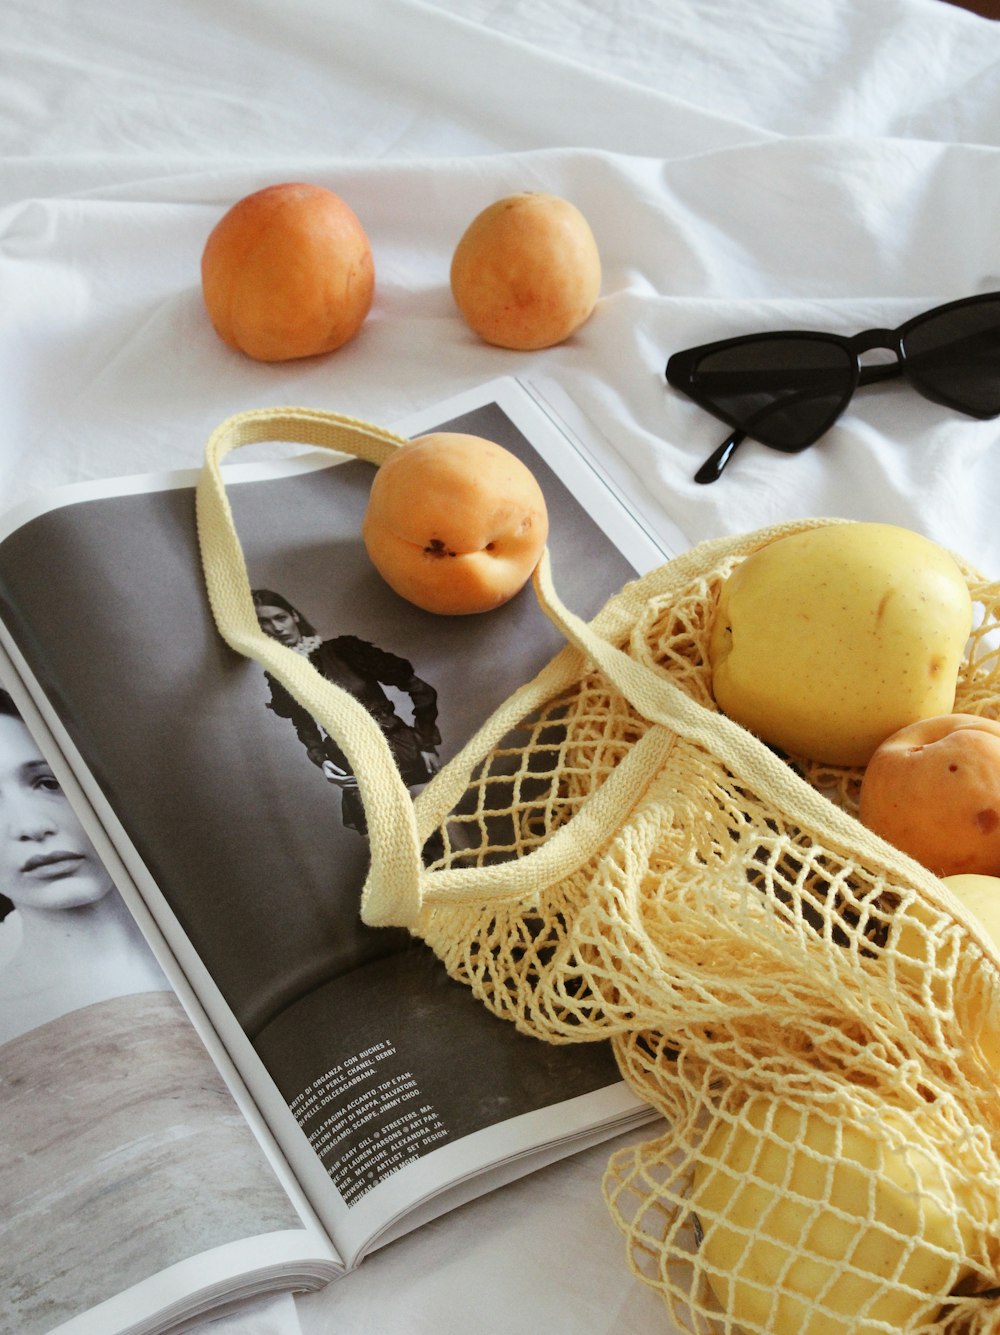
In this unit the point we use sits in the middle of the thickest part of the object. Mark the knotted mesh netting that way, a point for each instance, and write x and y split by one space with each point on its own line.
815 1015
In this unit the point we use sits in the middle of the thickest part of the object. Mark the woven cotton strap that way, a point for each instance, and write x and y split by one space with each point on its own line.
661 701
395 849
398 884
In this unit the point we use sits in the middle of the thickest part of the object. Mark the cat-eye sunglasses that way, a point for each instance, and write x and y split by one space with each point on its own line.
786 389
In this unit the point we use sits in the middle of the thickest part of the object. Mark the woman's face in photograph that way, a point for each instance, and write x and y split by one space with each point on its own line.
280 624
46 859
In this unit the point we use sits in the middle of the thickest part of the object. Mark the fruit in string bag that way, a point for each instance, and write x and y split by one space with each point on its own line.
925 947
932 789
786 1194
288 272
526 272
981 896
455 523
828 640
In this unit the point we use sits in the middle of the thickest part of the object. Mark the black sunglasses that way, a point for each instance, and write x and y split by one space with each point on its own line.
786 389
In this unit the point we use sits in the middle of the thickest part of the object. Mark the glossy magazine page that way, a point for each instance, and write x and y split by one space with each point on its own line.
134 1166
384 1081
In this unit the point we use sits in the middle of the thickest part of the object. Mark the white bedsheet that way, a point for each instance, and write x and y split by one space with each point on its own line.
833 165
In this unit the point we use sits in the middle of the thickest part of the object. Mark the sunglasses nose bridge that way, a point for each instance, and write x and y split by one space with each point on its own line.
870 339
877 340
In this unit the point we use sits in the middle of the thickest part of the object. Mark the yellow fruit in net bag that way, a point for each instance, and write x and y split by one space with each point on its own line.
827 641
981 896
820 1225
925 948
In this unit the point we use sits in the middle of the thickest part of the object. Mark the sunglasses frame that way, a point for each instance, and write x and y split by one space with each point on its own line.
682 366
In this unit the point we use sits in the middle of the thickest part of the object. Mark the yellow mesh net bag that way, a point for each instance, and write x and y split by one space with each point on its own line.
816 1017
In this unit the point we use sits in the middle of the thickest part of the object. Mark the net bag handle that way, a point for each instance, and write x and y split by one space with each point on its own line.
396 865
398 885
661 701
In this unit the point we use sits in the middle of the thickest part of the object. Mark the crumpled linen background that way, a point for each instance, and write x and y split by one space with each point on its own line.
832 165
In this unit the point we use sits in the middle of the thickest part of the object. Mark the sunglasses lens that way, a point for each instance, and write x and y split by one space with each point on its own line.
954 357
784 392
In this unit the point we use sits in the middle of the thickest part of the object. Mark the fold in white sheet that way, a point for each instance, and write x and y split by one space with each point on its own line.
112 365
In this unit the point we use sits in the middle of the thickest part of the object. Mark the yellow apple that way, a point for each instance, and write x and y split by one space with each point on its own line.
828 640
785 1194
981 896
922 960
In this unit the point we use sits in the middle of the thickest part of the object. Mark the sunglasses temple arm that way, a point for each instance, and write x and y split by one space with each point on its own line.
711 469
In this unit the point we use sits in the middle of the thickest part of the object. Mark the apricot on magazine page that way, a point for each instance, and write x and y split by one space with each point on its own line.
128 1159
392 1093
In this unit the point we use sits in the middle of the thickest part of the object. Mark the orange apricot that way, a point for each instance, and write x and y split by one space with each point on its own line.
455 523
288 272
526 272
932 789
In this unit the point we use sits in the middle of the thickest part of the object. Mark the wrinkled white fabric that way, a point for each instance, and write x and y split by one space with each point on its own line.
834 165
846 67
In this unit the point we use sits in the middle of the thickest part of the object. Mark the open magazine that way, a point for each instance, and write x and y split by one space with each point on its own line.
215 1081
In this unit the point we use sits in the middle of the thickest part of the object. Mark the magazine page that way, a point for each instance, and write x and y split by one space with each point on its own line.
126 1158
383 1080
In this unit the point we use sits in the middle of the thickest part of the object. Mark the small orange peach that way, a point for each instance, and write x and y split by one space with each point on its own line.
455 523
932 789
288 272
526 272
